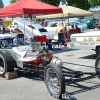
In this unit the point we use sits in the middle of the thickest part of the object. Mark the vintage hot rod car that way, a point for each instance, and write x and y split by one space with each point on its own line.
36 57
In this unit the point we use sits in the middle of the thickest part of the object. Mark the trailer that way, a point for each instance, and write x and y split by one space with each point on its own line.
87 40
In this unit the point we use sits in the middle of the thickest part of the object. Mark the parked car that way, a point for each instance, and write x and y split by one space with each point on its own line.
55 27
40 30
17 30
82 26
12 27
7 30
91 23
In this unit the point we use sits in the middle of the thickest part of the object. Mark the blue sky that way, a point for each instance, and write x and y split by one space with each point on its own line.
6 2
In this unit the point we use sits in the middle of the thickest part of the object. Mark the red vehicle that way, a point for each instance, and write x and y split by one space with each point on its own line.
7 30
16 30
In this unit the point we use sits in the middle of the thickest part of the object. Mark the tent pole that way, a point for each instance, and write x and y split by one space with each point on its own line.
30 17
68 30
24 26
64 28
12 18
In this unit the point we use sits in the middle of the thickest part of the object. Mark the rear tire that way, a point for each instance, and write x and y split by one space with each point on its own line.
54 80
7 63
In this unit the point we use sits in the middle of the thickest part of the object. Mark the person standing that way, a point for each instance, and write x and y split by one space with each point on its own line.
2 29
79 30
45 24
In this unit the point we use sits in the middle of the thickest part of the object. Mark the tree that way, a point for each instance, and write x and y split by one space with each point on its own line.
13 1
94 3
1 4
83 4
52 2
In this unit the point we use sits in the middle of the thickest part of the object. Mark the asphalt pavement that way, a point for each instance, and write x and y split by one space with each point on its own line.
30 86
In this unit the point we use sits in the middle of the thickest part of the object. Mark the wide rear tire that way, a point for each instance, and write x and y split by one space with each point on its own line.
54 80
7 63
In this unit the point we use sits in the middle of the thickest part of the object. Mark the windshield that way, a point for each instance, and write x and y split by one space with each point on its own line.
31 26
75 23
42 30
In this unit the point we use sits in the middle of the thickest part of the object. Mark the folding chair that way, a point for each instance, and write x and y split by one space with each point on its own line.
20 40
60 40
44 41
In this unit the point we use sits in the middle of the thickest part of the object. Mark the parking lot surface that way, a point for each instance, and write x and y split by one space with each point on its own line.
30 86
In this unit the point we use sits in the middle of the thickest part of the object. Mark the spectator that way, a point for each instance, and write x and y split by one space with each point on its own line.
72 27
79 30
45 24
2 29
64 31
40 23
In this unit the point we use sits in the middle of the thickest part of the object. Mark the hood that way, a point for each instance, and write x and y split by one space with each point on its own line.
21 50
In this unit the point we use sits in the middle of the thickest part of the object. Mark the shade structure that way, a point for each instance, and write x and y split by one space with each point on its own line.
29 7
68 11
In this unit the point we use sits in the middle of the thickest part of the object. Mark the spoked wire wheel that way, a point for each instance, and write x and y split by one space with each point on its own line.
54 80
97 66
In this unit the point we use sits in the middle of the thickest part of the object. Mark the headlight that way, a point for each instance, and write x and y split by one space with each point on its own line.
57 61
73 39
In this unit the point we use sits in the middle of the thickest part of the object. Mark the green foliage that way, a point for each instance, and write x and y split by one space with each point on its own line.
13 1
94 3
83 4
52 2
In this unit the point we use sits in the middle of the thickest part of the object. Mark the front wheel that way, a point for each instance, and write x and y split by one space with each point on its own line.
54 80
97 51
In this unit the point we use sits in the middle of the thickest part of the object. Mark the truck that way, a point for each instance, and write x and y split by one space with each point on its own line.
87 40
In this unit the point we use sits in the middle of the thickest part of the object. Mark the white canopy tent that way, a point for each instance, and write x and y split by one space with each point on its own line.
68 11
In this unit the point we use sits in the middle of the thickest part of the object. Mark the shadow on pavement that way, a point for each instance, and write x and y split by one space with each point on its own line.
30 75
82 88
78 64
93 56
61 50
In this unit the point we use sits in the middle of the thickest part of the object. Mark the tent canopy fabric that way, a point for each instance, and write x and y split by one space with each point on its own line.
29 7
68 11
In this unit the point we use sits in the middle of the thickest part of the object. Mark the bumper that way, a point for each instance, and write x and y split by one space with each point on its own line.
72 45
